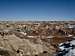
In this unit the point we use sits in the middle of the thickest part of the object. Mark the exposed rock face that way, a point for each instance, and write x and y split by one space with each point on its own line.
22 39
6 52
13 45
24 46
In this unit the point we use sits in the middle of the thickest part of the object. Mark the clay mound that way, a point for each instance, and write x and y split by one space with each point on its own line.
57 40
5 52
25 46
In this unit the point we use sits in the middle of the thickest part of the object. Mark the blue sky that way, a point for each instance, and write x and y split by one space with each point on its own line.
37 9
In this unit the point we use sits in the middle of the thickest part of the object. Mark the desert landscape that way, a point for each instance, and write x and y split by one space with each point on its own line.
37 27
37 38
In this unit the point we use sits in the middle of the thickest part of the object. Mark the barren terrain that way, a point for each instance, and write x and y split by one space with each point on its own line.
39 38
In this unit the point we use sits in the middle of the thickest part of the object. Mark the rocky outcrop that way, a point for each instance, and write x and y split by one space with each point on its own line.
18 46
